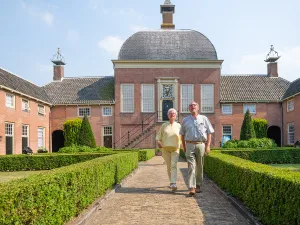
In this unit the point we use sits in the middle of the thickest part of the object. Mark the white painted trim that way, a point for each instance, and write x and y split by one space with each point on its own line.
193 87
142 85
84 108
13 100
249 110
213 97
121 98
112 134
13 136
107 107
223 113
167 64
287 105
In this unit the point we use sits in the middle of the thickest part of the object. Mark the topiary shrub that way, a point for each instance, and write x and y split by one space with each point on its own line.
230 144
260 127
247 130
86 136
71 130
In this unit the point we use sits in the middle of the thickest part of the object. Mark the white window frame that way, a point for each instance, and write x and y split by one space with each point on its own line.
106 134
226 134
27 132
247 106
89 114
188 99
43 133
43 111
290 105
10 134
25 105
291 134
13 100
107 110
229 112
147 98
129 98
210 97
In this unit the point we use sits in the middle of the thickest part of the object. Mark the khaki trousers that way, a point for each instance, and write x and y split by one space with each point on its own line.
195 158
171 159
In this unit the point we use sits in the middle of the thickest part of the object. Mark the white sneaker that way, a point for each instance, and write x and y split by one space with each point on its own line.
173 187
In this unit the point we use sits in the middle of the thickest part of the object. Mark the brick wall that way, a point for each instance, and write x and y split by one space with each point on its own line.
292 117
19 118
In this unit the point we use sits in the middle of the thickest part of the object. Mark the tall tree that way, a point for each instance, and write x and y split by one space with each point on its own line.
247 130
86 136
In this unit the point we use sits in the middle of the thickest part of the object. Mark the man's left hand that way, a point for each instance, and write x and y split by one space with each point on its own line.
207 150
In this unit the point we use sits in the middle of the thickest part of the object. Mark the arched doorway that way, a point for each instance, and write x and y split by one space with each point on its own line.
57 140
275 134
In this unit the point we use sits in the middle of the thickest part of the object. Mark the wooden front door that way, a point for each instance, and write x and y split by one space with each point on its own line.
166 105
108 141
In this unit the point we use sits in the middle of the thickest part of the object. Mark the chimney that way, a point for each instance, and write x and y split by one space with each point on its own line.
167 10
272 58
58 67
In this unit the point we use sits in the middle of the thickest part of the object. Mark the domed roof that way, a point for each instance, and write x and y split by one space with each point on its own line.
168 45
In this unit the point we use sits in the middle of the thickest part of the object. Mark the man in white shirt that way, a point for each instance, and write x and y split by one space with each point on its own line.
195 134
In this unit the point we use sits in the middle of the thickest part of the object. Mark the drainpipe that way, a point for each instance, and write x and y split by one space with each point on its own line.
282 125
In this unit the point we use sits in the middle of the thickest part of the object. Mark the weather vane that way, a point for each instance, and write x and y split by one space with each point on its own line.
272 56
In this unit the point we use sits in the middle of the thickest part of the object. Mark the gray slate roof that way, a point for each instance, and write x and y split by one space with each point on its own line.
25 87
252 88
81 90
168 45
293 89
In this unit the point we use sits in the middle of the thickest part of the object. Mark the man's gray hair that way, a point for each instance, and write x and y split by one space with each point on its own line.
172 109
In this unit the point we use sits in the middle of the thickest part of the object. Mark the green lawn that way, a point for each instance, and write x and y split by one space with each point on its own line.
7 176
294 167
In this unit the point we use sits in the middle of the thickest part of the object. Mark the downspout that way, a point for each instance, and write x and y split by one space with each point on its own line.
282 125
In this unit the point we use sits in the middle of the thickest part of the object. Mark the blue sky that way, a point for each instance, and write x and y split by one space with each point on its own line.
91 32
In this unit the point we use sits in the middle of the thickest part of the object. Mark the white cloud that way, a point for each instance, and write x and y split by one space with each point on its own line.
111 44
72 36
288 64
45 16
136 28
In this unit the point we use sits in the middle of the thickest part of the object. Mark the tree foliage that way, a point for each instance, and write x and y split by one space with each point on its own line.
247 130
71 130
260 127
86 136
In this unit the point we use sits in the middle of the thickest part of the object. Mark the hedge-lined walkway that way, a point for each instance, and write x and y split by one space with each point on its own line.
146 199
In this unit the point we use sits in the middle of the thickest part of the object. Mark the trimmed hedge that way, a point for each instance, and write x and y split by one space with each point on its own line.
251 143
44 161
77 148
58 195
273 194
146 154
268 157
71 130
260 127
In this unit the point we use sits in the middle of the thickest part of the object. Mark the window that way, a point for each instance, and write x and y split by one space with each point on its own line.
227 133
127 98
107 111
251 107
291 133
107 131
84 111
41 110
187 96
25 136
147 98
41 137
227 109
290 105
25 105
9 129
10 101
207 98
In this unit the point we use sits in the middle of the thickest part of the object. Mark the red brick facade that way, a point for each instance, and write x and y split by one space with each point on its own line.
291 117
17 117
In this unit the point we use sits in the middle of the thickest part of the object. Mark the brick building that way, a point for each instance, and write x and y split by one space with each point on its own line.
155 70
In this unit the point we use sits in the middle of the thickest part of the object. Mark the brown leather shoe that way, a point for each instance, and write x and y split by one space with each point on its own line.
192 192
198 189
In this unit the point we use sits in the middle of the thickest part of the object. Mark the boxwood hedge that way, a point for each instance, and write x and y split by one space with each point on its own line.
57 195
272 194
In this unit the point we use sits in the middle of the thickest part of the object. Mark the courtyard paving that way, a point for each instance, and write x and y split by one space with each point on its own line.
145 199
